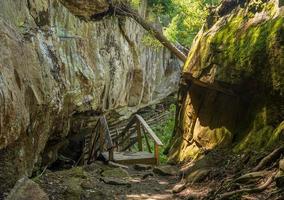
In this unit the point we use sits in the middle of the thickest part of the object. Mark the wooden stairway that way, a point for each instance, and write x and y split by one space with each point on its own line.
119 147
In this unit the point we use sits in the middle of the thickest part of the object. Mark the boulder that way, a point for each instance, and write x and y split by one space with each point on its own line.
240 55
26 189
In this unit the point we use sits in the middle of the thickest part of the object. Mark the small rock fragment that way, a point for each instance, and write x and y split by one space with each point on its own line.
147 175
115 172
115 181
281 164
142 167
166 170
95 194
179 187
87 185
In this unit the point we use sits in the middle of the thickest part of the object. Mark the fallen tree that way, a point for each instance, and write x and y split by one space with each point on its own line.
125 10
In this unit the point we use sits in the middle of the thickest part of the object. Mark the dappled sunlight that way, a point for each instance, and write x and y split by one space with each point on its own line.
149 197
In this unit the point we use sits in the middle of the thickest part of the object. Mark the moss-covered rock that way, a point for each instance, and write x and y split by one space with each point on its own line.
116 173
244 52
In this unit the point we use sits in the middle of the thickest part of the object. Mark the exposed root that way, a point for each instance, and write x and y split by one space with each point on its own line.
272 194
269 158
251 176
249 190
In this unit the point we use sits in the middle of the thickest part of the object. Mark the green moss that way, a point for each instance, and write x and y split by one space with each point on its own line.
244 47
261 129
116 172
149 41
247 51
73 188
255 139
77 172
277 135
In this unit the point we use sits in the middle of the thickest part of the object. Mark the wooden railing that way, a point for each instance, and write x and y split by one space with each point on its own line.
101 140
142 130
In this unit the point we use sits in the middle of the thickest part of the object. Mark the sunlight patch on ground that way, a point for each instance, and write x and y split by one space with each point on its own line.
163 182
149 197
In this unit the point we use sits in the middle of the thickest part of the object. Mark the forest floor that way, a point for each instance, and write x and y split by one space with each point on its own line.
214 176
100 181
218 175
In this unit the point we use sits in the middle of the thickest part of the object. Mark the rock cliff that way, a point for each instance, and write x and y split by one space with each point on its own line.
240 48
54 64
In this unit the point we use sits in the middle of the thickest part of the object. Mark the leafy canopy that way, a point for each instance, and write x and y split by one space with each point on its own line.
181 19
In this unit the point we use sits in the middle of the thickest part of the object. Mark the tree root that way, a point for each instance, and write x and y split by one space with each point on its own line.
272 194
251 176
249 190
274 155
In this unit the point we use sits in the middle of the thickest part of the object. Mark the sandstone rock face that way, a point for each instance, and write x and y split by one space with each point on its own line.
240 48
86 8
52 65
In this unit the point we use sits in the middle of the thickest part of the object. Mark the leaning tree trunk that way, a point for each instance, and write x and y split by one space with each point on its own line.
125 10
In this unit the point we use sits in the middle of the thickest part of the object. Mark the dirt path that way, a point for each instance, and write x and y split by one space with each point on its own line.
151 187
98 181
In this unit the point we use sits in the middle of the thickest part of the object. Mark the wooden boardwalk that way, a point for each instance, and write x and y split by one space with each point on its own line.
119 147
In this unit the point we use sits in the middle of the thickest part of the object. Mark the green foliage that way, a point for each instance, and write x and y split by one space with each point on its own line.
164 132
181 18
135 3
150 41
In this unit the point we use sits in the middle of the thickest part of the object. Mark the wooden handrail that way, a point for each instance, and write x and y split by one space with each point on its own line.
128 126
149 130
103 123
100 137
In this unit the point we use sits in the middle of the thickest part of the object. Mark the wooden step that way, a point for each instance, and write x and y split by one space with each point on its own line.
126 157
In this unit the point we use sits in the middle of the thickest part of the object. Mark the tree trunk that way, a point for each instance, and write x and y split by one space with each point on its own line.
125 10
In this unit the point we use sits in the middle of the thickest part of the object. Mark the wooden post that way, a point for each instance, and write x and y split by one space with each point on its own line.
101 133
110 156
116 141
147 141
139 136
157 154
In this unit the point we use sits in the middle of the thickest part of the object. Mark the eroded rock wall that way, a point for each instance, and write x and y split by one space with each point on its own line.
240 48
52 65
